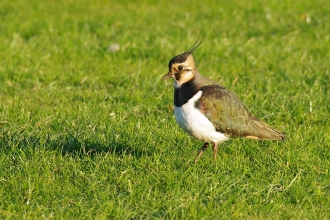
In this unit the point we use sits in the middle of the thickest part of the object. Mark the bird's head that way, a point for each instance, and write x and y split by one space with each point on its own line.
182 67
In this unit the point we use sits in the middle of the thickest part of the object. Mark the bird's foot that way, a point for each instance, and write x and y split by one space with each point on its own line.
206 144
215 151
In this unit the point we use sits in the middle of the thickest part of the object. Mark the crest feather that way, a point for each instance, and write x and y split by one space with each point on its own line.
194 46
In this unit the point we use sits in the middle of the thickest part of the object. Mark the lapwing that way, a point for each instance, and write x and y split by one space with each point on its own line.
208 111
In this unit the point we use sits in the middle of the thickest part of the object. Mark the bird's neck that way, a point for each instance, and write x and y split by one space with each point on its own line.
187 90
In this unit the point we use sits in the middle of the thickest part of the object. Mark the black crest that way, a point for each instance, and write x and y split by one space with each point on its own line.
182 57
194 46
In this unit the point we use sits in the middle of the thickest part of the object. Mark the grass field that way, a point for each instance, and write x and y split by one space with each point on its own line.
87 131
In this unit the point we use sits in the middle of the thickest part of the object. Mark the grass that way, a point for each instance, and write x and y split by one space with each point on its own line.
89 133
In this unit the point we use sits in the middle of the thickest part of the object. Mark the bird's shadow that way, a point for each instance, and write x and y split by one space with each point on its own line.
67 143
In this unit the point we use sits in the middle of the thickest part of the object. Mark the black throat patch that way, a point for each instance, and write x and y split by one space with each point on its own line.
184 93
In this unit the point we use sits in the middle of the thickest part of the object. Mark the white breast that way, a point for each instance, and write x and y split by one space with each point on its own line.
193 121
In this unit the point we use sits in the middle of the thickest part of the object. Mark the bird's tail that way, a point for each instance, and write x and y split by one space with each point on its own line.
261 131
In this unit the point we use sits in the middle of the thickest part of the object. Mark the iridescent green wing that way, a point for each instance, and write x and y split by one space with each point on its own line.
229 115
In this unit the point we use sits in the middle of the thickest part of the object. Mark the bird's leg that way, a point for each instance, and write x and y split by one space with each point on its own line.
206 144
215 151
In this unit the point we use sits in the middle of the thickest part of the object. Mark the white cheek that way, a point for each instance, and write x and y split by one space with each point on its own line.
184 78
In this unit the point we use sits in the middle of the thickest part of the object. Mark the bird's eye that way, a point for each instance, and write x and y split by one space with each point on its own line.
180 67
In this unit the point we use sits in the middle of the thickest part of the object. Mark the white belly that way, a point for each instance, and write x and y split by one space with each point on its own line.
193 121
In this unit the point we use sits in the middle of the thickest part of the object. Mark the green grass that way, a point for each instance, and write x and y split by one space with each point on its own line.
87 133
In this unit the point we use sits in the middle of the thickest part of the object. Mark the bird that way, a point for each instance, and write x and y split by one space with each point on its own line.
209 111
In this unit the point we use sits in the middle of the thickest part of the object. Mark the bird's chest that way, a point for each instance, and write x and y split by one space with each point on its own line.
194 122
